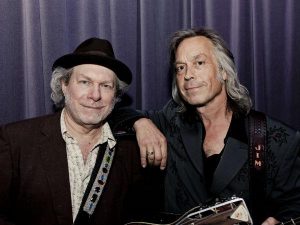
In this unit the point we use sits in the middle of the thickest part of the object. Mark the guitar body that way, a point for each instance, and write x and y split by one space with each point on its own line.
233 211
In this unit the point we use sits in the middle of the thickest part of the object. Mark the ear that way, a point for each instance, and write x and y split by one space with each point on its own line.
63 86
224 75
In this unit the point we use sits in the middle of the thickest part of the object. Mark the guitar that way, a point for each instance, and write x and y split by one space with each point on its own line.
233 211
291 222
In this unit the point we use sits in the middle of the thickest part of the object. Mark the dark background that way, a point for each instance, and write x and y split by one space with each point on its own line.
263 35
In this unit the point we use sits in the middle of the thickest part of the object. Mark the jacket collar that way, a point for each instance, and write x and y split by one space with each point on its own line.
234 156
54 160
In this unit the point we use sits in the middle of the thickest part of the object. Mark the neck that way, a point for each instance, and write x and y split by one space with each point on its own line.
81 132
216 119
86 136
215 112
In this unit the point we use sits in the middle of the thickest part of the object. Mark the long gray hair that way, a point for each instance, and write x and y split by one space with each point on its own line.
61 74
238 96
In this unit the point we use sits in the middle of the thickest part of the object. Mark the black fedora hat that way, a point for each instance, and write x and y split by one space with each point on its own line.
95 51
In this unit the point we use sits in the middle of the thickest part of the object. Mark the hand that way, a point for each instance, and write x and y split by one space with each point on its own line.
152 143
270 221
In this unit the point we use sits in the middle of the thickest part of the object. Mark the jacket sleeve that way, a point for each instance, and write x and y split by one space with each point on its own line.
164 119
6 177
124 118
285 195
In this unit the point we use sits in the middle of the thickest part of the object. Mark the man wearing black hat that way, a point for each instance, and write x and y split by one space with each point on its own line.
71 167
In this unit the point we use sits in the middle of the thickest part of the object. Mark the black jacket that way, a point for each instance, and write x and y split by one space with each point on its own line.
34 180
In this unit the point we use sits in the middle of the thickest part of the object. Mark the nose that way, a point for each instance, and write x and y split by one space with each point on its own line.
189 74
187 77
95 93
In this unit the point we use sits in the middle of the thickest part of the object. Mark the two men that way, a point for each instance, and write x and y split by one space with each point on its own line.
206 126
72 166
55 168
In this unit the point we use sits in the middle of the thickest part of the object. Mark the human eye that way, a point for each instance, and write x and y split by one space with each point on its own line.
199 63
179 68
107 86
84 82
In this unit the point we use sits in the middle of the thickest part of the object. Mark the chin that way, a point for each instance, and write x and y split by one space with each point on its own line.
92 123
96 120
195 102
92 120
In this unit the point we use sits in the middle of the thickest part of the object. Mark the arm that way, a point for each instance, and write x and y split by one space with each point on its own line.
152 143
148 134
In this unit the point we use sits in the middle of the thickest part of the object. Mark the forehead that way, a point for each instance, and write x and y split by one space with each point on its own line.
94 71
193 46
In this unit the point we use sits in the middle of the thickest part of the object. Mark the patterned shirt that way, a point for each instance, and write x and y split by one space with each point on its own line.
80 171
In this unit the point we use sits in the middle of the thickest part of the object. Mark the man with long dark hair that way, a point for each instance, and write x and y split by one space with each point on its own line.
207 128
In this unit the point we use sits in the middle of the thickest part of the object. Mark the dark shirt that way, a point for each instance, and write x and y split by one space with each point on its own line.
210 165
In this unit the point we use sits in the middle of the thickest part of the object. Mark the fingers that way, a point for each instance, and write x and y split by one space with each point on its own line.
152 143
151 157
160 154
155 155
270 221
164 152
143 152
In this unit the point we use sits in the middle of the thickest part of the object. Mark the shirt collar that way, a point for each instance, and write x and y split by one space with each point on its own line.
237 129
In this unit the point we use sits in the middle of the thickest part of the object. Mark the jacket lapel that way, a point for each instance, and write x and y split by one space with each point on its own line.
192 140
54 159
234 157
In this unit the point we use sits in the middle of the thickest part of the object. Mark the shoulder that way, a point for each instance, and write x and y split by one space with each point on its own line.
274 123
282 135
275 126
125 137
171 107
171 112
283 140
34 120
29 127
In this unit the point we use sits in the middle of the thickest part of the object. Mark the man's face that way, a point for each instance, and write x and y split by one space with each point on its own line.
197 71
90 94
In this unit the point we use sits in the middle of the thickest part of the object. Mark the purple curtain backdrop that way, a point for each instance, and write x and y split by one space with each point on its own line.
263 35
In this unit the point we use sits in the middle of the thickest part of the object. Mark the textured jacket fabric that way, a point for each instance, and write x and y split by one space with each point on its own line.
185 183
34 180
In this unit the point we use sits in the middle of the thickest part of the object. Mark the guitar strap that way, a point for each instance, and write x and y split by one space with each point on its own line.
257 155
96 184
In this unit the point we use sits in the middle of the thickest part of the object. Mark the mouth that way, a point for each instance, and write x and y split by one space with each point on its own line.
191 88
93 107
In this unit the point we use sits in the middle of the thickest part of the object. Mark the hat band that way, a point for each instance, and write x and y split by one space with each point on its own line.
94 53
